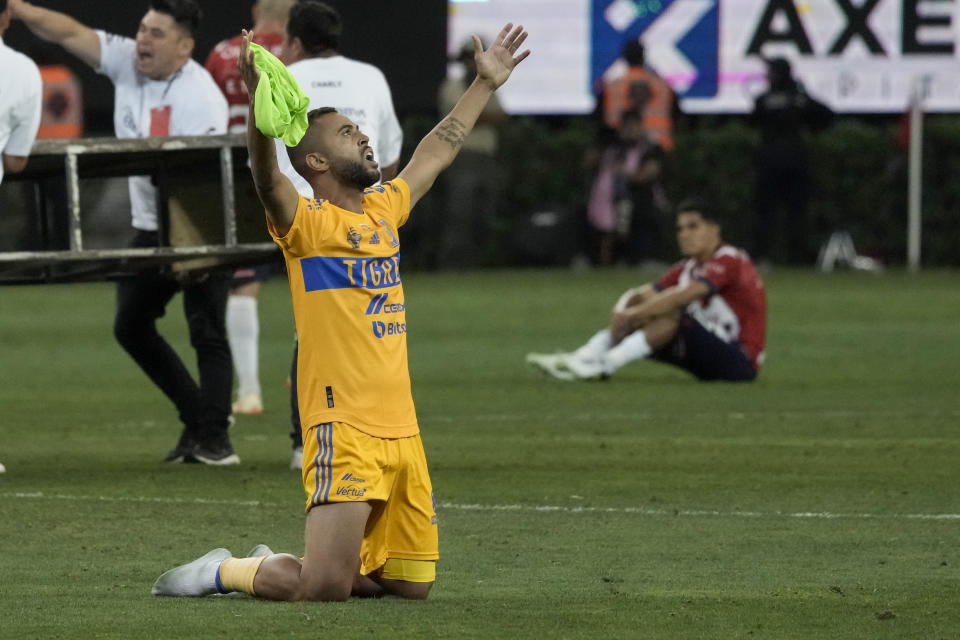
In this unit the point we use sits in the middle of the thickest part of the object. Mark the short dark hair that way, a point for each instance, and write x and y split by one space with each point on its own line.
298 153
317 24
186 13
313 114
701 206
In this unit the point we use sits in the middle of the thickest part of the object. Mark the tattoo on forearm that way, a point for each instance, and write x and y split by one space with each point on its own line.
452 131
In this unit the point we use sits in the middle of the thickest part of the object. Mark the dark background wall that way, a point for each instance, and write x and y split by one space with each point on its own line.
408 45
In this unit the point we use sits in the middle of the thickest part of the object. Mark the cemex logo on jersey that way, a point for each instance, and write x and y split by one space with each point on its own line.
379 304
681 38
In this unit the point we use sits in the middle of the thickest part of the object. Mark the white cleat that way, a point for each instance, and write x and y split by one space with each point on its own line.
587 368
260 551
197 578
249 404
552 364
2 468
296 458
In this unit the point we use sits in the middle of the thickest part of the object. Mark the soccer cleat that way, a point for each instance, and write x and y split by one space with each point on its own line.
197 578
216 450
183 452
553 364
296 459
3 469
249 404
587 368
260 551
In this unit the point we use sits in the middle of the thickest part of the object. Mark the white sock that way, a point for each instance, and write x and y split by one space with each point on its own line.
633 347
596 346
243 330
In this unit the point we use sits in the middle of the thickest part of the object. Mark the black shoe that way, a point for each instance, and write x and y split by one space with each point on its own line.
215 450
183 451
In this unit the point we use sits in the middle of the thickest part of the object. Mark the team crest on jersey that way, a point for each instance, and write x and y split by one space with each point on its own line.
375 238
354 238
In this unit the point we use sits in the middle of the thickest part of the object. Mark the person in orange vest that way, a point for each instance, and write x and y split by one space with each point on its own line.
635 111
640 89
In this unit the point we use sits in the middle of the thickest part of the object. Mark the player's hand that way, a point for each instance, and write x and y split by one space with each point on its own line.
246 64
496 64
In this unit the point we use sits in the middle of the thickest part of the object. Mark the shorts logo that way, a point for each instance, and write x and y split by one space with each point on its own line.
350 491
349 477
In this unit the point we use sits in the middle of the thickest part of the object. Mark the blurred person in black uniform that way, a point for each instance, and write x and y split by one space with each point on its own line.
784 115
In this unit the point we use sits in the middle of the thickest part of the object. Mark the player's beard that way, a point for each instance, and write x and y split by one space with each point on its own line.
354 173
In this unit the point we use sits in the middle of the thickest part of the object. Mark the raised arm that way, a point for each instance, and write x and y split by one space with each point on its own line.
276 192
438 149
53 26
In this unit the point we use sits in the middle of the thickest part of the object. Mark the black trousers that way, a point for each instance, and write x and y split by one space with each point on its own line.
204 406
782 199
296 431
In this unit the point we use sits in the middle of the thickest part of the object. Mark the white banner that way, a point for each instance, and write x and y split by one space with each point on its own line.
855 55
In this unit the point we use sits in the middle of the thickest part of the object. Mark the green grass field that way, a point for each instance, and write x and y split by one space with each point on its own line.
819 502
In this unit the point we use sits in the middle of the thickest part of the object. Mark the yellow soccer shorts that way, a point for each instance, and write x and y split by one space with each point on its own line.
343 464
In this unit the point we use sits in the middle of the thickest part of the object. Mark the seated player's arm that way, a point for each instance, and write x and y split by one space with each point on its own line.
439 147
277 194
633 297
670 300
53 26
14 164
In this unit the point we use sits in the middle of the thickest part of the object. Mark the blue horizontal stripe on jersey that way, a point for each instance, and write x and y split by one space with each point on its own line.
321 273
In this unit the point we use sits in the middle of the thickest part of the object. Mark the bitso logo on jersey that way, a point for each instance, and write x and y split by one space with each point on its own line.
681 38
381 329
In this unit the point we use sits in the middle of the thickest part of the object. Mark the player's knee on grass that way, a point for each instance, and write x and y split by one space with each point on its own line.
407 590
325 589
411 579
330 584
278 577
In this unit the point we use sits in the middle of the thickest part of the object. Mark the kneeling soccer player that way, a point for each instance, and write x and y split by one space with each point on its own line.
707 314
371 520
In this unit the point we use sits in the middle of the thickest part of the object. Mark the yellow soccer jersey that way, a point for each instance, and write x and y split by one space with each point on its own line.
344 272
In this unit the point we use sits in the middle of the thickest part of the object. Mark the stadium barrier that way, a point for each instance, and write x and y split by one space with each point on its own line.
195 176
